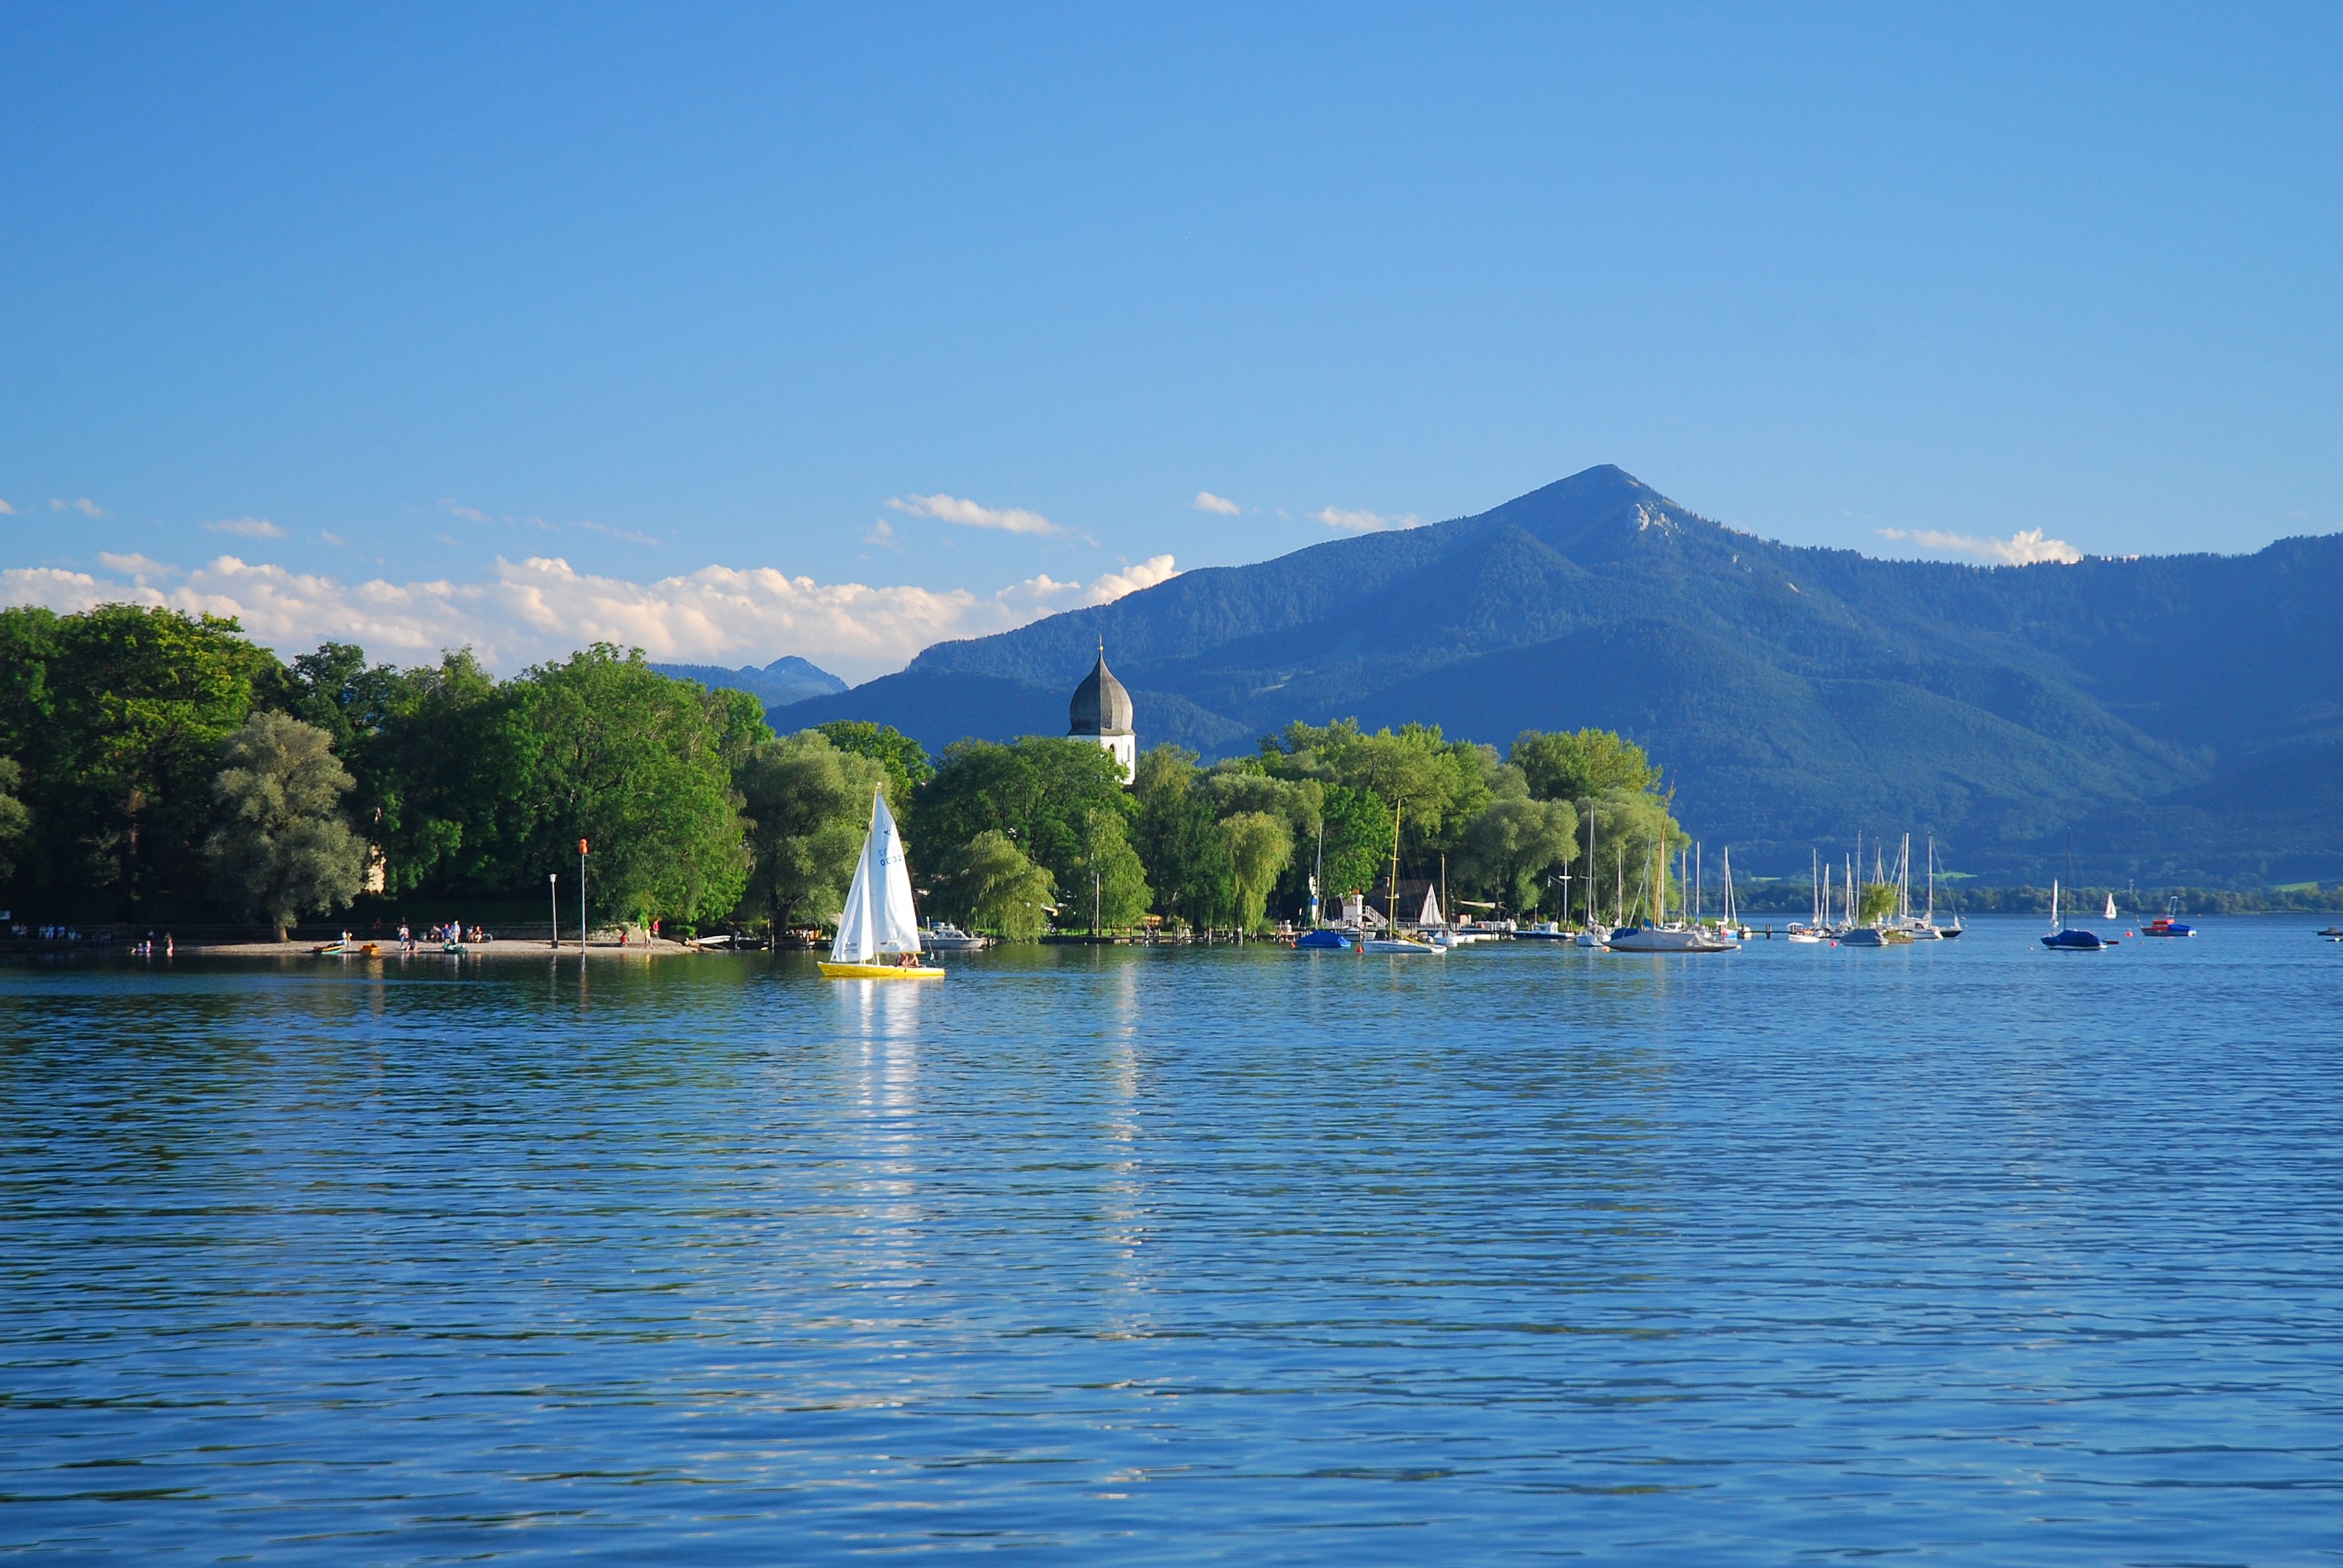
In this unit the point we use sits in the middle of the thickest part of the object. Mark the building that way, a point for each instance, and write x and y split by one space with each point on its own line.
1100 711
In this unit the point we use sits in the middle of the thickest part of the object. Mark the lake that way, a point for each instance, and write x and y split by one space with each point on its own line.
1961 1252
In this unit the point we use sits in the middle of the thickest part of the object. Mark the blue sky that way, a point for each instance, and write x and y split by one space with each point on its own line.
484 323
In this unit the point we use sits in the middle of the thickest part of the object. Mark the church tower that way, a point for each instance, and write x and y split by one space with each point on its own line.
1100 711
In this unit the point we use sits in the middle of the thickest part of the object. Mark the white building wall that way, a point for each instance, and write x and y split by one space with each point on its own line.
1124 749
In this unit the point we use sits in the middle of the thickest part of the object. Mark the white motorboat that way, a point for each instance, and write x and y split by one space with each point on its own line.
943 937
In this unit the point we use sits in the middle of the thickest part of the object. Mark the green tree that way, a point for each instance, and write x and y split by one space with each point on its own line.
1436 783
1179 840
905 760
1358 841
446 782
633 761
991 885
281 848
1259 845
1509 842
1572 765
740 720
1878 902
1039 791
1108 869
807 806
124 723
14 820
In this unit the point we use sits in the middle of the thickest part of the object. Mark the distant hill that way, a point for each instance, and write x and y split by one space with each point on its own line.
2182 715
785 680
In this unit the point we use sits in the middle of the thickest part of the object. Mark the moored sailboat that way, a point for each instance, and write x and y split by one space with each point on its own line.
2065 938
880 921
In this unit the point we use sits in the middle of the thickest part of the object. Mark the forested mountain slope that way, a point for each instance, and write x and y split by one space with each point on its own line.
2173 711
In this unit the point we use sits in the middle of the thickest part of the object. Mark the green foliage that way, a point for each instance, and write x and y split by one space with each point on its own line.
117 716
1879 902
1259 845
1572 765
282 849
1107 871
991 886
1625 827
443 773
1511 842
807 807
741 727
905 760
1358 840
1436 783
1179 837
633 761
15 821
1038 792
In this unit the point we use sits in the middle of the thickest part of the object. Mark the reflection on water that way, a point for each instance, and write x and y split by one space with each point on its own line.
1961 1252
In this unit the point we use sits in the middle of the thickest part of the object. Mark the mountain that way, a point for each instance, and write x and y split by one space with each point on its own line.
785 680
2182 715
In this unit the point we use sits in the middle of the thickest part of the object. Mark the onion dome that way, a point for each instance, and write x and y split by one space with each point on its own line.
1101 705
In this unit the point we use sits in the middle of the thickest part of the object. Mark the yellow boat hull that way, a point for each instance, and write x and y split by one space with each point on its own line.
876 972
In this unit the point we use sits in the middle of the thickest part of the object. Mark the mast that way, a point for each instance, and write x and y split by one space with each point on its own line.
1394 882
1932 878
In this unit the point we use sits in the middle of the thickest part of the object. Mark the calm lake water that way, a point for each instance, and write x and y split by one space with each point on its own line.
1967 1253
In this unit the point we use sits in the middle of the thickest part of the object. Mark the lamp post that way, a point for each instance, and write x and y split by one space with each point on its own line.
581 897
553 905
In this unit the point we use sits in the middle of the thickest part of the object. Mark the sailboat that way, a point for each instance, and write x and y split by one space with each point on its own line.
2111 907
1818 922
1660 936
2169 923
1730 927
2065 938
1394 942
880 920
1592 934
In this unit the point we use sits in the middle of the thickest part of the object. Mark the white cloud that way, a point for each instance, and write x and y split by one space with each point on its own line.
2025 549
543 608
1363 522
137 566
7 510
84 505
955 509
1206 501
1131 579
469 514
247 527
629 534
881 533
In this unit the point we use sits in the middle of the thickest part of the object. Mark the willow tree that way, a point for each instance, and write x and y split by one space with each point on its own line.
995 888
807 806
1260 845
281 850
1509 842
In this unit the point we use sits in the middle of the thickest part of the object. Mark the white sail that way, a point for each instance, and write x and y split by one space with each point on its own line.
879 917
1430 912
2111 907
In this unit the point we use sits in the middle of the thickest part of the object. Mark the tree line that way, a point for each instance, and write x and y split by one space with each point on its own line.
157 766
